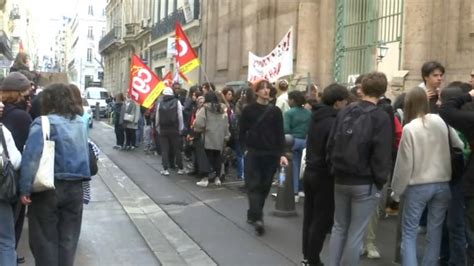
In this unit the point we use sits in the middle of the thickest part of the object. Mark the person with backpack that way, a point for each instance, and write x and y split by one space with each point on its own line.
359 152
261 135
169 124
318 182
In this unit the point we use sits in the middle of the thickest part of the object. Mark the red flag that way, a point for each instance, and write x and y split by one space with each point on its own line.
21 49
186 57
145 86
168 79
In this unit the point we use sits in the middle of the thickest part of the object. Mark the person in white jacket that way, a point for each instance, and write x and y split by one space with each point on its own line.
7 220
422 174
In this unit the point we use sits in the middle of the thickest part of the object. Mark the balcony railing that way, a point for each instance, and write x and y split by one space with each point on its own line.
168 24
110 38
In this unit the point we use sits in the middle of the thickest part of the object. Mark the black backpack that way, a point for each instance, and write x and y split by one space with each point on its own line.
352 139
168 113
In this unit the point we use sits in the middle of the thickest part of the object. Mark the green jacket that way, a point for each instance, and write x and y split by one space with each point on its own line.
296 121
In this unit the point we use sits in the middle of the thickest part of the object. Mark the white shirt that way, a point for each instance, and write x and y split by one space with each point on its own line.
282 102
423 156
13 153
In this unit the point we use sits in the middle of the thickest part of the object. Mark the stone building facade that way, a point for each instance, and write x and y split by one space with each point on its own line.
334 40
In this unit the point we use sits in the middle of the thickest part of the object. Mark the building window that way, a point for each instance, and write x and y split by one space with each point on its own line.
103 12
89 54
89 33
90 10
103 33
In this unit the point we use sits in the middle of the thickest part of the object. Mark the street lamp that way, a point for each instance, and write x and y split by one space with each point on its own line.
382 50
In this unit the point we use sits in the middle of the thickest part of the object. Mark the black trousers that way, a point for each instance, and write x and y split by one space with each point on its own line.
119 134
54 220
318 214
131 136
19 213
170 142
259 171
215 159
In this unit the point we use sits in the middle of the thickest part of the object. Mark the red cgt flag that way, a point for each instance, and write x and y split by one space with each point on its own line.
145 86
186 57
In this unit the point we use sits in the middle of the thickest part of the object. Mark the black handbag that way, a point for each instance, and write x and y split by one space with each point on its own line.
8 186
457 160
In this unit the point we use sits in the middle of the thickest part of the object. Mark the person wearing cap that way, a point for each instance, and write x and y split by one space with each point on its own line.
282 100
7 217
169 124
262 137
15 94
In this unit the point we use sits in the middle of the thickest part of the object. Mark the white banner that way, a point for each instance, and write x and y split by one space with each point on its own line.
171 47
278 63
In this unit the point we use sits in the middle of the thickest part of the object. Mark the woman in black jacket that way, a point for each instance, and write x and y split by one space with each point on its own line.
318 182
453 112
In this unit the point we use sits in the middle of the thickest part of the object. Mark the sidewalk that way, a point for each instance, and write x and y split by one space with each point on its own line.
123 226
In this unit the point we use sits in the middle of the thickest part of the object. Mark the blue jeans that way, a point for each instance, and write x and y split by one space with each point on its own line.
298 148
7 234
436 196
354 205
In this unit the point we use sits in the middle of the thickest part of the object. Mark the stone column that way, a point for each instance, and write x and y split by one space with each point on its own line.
307 39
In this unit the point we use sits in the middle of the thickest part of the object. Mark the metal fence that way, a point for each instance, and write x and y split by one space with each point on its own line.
362 25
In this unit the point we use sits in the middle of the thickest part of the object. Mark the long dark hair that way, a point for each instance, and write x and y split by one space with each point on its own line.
58 99
212 99
415 105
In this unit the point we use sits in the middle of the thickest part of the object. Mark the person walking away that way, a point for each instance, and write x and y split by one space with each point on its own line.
423 184
456 115
15 94
296 122
282 99
130 123
318 182
359 150
55 216
246 97
7 217
211 121
119 112
169 121
262 136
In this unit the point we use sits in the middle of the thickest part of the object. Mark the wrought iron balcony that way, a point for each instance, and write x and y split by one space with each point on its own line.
168 24
109 39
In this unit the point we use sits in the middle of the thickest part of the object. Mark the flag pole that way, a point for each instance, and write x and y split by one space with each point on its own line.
205 74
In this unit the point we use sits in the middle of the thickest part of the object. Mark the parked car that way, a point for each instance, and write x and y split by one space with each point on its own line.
88 111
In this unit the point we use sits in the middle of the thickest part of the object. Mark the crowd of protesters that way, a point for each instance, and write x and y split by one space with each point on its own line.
54 215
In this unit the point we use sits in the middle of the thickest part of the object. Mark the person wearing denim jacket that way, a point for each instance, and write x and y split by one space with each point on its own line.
57 212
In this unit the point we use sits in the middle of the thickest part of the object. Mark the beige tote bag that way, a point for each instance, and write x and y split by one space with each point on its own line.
44 179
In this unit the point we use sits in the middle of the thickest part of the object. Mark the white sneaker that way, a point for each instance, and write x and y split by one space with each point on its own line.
181 172
301 194
165 172
297 198
203 183
217 181
372 252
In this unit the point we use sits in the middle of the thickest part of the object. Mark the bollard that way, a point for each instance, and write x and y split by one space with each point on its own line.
97 111
285 200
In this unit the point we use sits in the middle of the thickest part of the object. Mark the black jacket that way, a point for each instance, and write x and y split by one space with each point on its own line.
18 121
373 167
265 138
462 121
322 119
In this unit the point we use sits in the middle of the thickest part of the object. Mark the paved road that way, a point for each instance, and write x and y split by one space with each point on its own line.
214 217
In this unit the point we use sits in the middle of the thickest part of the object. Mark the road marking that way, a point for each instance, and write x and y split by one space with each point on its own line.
106 124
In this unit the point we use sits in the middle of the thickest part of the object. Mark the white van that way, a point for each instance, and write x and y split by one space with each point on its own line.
97 95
